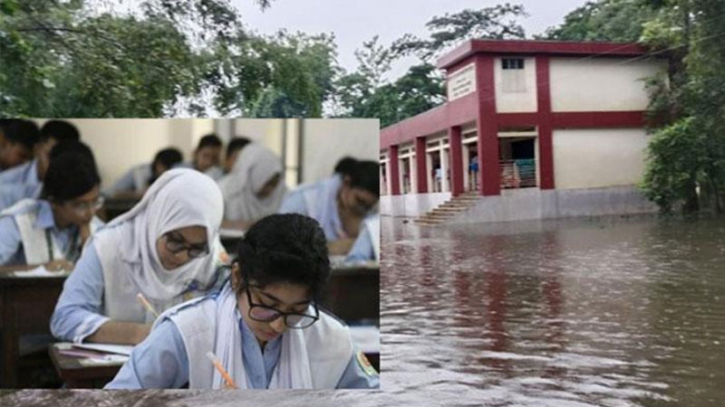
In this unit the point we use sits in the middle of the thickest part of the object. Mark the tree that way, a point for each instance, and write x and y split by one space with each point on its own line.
691 106
159 57
366 92
604 20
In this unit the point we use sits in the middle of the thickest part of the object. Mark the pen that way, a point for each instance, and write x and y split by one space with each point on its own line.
221 370
147 304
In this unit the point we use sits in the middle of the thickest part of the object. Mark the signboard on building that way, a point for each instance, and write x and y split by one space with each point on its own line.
462 82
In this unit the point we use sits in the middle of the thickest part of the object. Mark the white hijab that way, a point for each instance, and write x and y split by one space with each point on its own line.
254 167
177 199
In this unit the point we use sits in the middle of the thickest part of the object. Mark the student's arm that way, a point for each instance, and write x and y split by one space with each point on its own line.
125 333
125 184
340 247
362 249
78 312
9 239
160 361
358 376
294 202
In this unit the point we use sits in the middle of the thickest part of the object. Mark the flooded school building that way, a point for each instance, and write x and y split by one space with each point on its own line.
530 130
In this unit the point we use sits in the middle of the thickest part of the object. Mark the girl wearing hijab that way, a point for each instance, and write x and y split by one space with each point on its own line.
264 326
340 203
253 188
165 248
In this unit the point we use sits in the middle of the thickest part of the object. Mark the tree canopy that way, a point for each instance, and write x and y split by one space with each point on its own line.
154 58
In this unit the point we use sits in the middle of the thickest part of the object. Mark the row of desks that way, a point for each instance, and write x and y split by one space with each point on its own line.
27 303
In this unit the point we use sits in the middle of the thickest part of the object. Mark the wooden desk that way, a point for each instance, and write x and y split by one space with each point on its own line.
354 293
114 207
231 238
26 305
76 375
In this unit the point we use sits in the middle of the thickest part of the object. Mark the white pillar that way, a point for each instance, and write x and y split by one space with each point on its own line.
465 167
429 172
444 170
413 174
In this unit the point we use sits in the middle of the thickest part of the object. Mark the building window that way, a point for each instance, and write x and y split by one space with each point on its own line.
512 63
513 79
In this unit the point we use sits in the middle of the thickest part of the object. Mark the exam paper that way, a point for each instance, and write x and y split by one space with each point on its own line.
41 272
231 233
106 347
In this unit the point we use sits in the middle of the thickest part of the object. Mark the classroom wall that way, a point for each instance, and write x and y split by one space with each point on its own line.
326 141
119 144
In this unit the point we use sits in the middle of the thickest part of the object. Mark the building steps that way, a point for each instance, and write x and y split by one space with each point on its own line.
449 209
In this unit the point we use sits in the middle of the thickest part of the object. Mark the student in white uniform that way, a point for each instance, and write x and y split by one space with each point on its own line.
52 230
367 245
165 248
340 203
135 182
26 180
234 148
207 156
264 325
254 188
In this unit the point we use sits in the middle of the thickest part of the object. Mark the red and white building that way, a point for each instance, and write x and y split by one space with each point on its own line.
538 128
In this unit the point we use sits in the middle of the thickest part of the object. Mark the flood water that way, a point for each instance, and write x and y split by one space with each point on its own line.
572 313
602 312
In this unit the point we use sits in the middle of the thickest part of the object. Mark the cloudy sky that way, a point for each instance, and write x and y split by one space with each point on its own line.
356 21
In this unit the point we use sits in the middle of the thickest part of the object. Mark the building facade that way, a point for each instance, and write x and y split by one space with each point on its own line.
536 124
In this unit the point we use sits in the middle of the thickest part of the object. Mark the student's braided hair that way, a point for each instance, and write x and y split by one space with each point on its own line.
286 248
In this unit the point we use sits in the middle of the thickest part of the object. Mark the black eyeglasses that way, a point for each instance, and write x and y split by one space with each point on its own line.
176 244
294 320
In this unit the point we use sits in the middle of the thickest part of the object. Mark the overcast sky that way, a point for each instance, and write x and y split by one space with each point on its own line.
356 21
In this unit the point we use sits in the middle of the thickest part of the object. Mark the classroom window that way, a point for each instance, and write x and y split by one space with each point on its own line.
513 79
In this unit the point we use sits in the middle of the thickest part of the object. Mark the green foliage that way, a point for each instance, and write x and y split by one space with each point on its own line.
497 22
366 93
419 90
674 164
686 165
164 57
603 20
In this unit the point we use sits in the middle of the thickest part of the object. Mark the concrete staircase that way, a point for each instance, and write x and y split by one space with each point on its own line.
448 210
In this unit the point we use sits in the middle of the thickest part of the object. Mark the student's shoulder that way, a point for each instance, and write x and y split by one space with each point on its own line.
22 207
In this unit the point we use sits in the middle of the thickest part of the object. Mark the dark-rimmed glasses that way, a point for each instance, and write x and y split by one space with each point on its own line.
293 320
175 244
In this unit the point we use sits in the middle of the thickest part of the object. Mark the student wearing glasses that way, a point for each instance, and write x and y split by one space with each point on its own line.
165 248
51 230
340 203
264 326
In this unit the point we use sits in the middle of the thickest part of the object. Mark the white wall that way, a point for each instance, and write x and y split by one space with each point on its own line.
266 131
601 84
518 102
593 158
326 141
119 144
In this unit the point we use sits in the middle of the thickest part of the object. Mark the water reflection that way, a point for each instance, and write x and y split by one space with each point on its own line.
607 312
